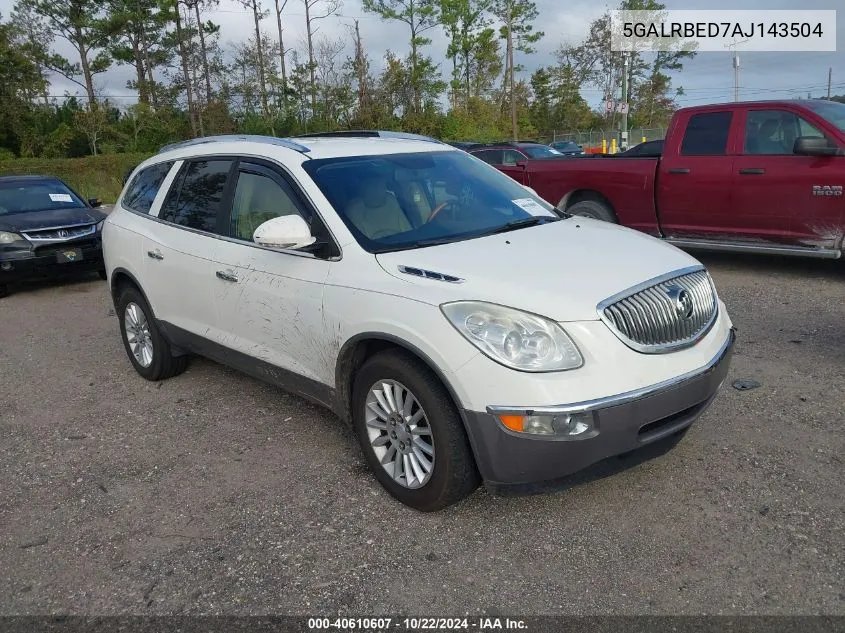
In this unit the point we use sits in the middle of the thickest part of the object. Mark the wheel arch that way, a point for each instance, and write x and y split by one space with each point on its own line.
121 277
364 345
579 195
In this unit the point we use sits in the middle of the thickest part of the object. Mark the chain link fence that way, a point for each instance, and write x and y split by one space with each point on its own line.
592 139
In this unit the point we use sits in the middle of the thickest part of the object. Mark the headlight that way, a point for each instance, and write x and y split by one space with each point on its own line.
12 238
516 339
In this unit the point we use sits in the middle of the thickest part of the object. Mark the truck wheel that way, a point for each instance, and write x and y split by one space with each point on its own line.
593 209
411 433
147 349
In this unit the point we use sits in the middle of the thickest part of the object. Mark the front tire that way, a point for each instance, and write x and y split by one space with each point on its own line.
411 433
593 209
148 350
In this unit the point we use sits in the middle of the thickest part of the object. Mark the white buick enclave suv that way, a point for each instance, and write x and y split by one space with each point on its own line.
467 330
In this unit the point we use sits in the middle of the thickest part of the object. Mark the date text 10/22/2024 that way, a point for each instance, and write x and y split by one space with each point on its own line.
417 624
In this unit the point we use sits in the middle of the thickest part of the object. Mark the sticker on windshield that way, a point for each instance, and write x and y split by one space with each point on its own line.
61 197
531 206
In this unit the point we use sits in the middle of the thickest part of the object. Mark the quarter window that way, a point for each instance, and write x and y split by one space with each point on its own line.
257 199
194 200
141 193
707 134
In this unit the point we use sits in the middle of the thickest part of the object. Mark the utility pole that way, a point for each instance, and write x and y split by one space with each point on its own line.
829 80
514 130
623 141
736 67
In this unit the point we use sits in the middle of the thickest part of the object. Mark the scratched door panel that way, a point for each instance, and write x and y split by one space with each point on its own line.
273 309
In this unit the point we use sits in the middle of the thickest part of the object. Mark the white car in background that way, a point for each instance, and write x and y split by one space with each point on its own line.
468 331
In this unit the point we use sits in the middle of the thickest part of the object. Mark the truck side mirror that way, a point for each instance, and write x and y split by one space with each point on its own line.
521 164
815 146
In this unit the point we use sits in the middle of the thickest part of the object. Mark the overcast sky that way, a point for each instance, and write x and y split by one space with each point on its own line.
707 78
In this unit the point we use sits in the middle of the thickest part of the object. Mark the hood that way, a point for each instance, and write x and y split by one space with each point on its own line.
561 270
34 220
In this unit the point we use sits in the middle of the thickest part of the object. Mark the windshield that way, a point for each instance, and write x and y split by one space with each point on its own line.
567 145
539 151
21 196
831 110
400 201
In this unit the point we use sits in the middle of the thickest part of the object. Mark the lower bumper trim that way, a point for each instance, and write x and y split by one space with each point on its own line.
505 457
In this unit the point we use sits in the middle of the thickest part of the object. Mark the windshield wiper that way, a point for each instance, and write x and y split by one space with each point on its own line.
435 241
521 224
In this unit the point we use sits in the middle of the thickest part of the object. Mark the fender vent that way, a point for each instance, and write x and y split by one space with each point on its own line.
429 274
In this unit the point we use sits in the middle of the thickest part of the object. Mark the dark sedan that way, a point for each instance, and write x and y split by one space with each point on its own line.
568 148
46 230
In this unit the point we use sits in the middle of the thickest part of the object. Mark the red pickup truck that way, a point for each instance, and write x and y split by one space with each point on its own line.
760 177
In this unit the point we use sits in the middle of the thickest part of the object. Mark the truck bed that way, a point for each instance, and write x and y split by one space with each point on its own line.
631 193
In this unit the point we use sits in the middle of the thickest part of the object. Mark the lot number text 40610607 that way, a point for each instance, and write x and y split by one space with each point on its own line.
416 624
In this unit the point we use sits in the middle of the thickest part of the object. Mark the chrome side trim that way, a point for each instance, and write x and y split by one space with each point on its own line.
761 249
618 399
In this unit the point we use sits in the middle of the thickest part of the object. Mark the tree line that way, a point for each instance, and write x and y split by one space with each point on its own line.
189 84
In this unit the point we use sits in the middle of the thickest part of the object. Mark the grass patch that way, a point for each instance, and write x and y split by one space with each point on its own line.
91 176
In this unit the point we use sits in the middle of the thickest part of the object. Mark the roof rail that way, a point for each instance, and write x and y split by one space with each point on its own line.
255 138
370 134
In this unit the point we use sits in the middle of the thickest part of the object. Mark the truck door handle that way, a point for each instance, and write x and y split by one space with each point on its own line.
752 171
227 275
156 254
679 170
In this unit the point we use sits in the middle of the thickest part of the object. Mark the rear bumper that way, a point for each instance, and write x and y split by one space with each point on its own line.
628 422
31 266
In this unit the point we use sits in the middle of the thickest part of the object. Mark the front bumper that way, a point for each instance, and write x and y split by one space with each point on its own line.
45 262
624 423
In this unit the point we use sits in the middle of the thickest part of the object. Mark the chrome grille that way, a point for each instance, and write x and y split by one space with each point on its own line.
60 233
665 314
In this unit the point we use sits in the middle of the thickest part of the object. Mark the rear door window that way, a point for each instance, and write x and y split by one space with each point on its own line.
707 134
490 156
141 193
195 197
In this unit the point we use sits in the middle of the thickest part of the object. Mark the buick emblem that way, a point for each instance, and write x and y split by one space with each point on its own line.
63 233
681 300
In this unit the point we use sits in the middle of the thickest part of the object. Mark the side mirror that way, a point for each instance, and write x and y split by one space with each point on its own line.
95 202
288 231
521 164
815 146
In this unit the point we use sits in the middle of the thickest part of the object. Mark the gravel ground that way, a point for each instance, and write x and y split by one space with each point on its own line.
214 493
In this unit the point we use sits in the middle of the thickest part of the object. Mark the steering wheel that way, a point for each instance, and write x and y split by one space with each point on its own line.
436 211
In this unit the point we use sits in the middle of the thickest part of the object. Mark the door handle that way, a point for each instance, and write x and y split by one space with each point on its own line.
155 255
227 275
752 171
679 170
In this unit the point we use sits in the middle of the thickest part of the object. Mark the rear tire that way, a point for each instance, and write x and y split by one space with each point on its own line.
593 209
449 471
148 350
